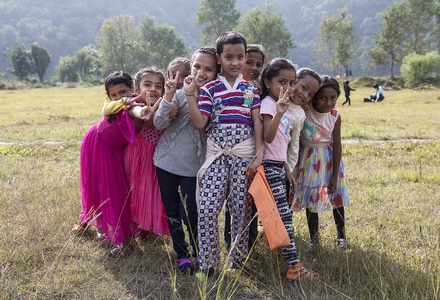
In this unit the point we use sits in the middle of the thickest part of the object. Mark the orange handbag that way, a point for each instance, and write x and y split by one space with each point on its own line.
274 230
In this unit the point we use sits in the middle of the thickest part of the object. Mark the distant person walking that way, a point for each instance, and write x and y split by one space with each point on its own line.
347 90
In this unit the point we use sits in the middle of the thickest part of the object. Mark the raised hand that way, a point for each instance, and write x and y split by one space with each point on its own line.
132 102
190 84
147 112
283 100
171 86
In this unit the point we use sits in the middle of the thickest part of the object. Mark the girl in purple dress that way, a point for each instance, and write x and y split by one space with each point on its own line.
103 182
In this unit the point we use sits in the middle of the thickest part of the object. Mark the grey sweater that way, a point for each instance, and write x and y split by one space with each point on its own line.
182 147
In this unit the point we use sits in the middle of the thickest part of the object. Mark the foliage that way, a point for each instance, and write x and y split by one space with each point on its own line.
67 70
40 59
336 42
416 68
20 59
389 42
88 62
421 14
157 45
267 29
116 41
215 17
406 28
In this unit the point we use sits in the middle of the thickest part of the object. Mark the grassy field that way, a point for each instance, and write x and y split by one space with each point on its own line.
392 158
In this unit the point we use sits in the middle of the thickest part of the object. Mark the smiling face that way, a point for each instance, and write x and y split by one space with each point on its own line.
305 89
325 100
252 67
232 60
205 66
153 84
285 79
117 91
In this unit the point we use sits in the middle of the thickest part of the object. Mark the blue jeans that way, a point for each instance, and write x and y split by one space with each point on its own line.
180 206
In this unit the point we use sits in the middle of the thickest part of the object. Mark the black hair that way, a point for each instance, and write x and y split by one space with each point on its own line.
209 51
256 48
118 77
329 82
148 70
375 85
229 37
115 78
179 61
303 72
272 70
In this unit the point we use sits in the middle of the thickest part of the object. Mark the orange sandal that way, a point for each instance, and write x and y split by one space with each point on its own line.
298 272
79 229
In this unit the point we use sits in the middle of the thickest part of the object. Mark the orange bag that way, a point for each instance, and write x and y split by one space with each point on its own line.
274 230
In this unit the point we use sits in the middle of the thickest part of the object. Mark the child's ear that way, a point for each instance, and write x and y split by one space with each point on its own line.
266 83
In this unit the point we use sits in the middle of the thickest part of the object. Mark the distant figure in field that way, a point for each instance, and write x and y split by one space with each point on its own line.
347 90
378 97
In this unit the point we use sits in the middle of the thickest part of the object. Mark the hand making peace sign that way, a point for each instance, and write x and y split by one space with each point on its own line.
283 100
147 112
171 86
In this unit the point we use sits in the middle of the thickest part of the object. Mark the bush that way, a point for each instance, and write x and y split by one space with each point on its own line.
416 68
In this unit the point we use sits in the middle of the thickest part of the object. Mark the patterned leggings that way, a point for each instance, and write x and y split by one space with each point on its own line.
276 177
225 179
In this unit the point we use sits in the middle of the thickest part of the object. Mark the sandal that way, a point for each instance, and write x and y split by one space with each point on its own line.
79 229
298 272
121 252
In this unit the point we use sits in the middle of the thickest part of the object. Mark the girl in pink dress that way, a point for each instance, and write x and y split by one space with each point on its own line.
103 183
146 205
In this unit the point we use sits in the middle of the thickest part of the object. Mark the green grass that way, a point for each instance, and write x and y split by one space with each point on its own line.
392 157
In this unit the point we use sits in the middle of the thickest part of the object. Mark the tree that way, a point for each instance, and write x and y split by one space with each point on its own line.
116 41
66 69
20 60
420 21
336 42
436 27
158 44
389 41
40 60
216 17
416 68
87 62
267 29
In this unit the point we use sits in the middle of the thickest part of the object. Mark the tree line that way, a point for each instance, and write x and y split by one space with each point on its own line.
409 35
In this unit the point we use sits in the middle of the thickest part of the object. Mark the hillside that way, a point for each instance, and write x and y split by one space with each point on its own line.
65 27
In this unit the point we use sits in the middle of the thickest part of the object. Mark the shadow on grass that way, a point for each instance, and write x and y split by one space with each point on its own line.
151 273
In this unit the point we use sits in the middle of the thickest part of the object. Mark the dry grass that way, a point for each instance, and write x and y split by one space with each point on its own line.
393 224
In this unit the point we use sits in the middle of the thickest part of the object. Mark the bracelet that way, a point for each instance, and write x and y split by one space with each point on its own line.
189 95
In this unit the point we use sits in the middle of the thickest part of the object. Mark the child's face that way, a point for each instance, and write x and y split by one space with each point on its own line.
206 67
325 100
153 84
116 92
232 60
306 106
305 89
183 72
252 67
285 79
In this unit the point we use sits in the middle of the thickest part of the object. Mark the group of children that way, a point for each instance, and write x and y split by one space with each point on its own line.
172 152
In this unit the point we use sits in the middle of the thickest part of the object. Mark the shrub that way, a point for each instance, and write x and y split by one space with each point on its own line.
416 68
